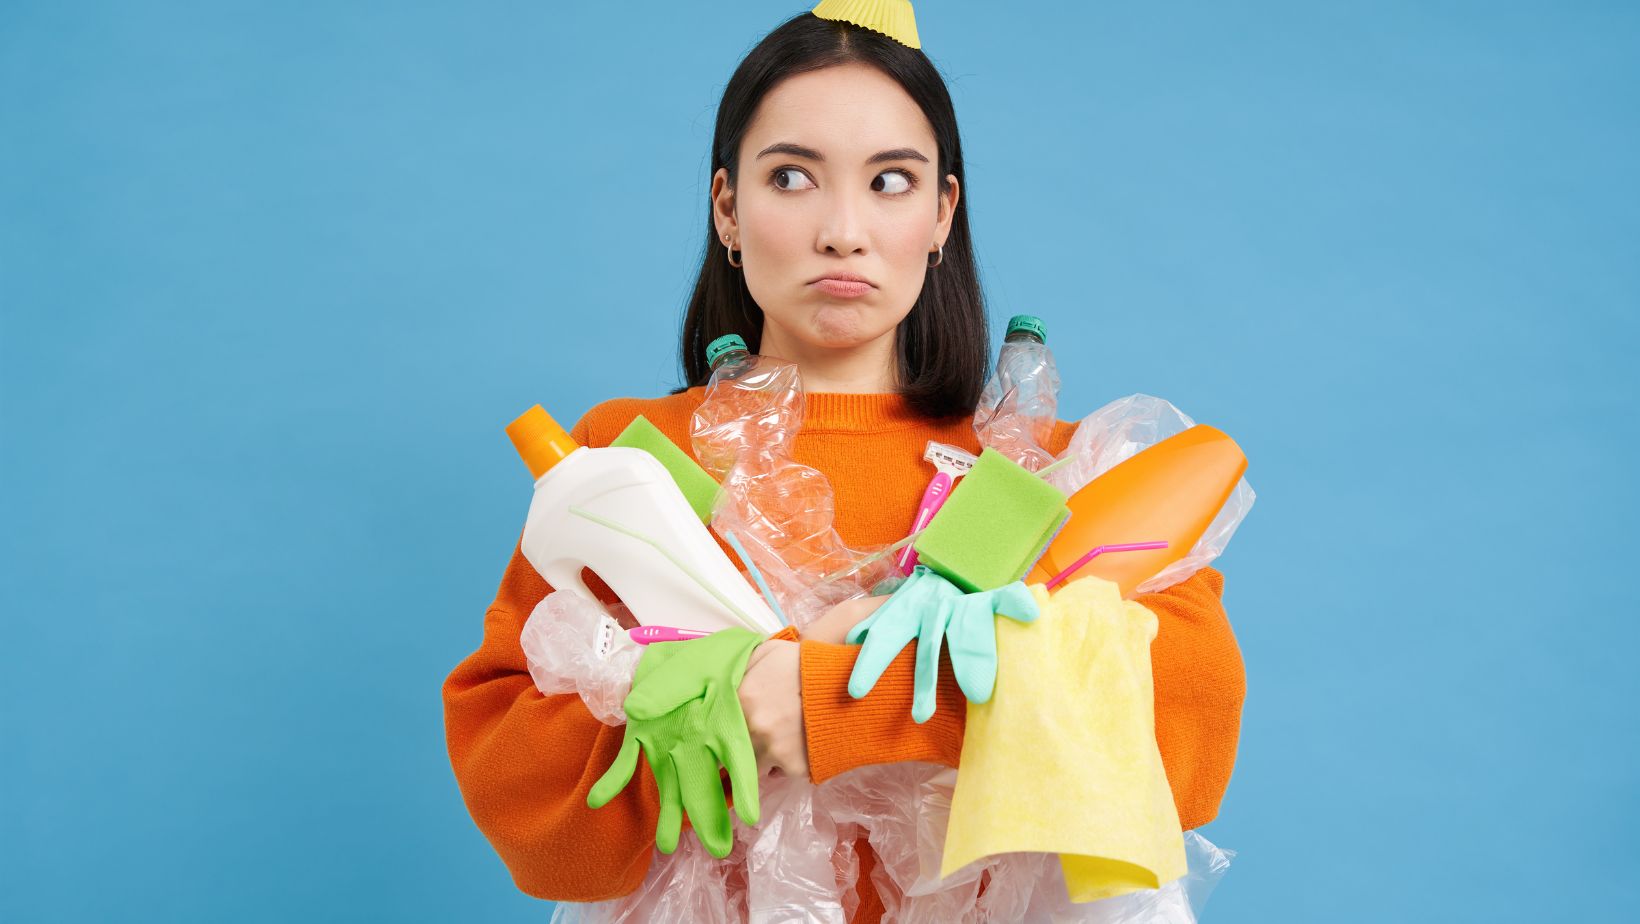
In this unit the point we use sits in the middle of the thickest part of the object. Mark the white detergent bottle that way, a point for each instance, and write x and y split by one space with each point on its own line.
627 488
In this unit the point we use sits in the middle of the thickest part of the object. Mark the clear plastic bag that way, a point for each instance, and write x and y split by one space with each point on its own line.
904 807
1117 432
689 885
800 861
799 866
573 645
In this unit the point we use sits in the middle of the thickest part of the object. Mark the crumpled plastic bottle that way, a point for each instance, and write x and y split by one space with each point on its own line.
1017 408
780 510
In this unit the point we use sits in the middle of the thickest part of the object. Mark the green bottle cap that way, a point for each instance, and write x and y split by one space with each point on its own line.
1029 323
728 343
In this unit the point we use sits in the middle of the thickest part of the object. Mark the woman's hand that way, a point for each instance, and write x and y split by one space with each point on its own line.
771 697
833 625
771 692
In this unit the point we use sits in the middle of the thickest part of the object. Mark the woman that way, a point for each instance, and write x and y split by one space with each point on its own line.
838 240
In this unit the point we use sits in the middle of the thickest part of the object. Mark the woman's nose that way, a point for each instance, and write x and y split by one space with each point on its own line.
843 229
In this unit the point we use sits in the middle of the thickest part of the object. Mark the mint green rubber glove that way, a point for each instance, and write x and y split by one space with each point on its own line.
684 714
932 610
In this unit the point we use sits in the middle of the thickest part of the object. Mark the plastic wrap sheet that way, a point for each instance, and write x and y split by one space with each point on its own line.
573 645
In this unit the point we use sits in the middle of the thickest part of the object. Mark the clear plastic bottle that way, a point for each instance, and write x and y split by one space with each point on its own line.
752 407
780 510
1018 407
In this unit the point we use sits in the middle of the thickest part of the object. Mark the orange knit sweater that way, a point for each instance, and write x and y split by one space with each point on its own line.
524 761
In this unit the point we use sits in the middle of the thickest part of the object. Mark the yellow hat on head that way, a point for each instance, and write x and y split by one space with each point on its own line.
893 18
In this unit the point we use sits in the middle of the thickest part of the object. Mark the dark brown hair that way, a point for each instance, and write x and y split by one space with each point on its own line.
943 346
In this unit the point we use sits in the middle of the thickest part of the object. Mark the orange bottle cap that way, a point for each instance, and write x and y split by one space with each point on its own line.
540 441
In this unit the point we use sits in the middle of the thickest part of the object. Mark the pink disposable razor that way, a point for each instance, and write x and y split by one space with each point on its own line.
950 463
644 635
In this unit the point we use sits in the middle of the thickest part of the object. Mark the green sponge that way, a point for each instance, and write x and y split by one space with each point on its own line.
697 486
994 526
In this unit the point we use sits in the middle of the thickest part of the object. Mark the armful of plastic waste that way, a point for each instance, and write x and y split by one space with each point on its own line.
683 714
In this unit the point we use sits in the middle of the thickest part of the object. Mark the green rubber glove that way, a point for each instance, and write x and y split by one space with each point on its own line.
684 714
932 610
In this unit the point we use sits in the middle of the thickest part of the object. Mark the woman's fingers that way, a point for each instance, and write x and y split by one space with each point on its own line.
847 618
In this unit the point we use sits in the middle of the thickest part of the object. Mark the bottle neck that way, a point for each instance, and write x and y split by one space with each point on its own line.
733 356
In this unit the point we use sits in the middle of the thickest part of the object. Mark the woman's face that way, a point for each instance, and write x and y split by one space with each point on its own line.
837 176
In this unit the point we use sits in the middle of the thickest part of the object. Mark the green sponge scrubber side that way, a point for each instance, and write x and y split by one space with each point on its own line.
994 526
697 486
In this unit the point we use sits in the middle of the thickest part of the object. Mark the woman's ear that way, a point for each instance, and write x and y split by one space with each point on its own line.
723 207
948 208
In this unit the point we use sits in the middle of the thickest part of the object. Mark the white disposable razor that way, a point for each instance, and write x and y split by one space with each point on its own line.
950 463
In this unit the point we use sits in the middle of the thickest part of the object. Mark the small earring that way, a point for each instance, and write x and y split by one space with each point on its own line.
732 261
940 259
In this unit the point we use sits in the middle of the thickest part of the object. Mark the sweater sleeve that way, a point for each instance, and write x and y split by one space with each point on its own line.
1199 686
844 732
524 763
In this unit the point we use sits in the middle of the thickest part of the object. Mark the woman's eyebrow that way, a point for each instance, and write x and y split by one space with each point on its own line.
798 150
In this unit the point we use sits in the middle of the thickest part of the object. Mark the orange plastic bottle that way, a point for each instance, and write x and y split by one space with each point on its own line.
1169 492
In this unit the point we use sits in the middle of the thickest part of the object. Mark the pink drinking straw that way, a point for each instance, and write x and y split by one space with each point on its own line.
1059 578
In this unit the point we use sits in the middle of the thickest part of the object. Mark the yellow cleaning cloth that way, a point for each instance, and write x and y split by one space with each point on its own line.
1063 758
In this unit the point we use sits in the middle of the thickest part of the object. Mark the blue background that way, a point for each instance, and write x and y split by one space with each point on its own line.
274 276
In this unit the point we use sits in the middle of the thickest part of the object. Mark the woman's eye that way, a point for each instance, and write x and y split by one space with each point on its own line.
906 182
787 171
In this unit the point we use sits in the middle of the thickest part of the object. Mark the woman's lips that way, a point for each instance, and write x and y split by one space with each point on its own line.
842 288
